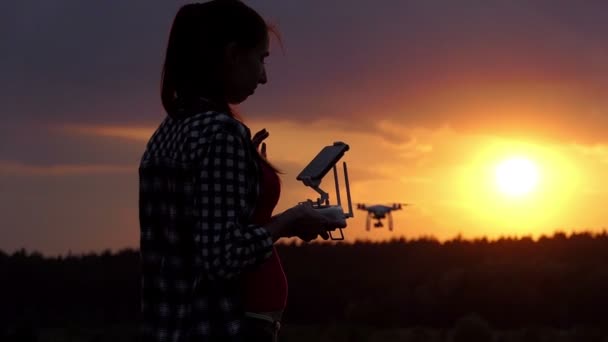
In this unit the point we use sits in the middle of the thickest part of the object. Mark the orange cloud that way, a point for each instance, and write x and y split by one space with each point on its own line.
14 168
125 132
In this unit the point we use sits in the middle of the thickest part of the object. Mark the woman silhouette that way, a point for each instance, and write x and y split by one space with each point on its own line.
210 271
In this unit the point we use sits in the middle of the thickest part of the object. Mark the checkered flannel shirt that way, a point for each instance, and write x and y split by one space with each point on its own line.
198 187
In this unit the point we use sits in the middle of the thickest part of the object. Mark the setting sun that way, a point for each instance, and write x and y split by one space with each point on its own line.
516 176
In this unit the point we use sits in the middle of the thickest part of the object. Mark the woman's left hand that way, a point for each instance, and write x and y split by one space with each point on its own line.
257 140
307 237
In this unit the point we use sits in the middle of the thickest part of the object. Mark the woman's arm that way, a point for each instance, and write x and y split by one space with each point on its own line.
226 241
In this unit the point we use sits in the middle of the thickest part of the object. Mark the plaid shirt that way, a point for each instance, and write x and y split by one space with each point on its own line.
198 187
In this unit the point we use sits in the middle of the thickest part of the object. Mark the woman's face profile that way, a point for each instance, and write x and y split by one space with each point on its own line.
246 69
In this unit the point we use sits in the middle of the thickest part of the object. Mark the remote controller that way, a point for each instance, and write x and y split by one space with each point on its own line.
312 175
334 213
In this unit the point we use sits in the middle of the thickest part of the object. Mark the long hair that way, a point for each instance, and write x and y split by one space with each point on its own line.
194 57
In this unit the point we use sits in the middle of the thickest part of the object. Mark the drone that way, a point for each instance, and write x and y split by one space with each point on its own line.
378 212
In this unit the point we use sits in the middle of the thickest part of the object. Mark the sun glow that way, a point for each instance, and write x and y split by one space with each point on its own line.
516 176
514 187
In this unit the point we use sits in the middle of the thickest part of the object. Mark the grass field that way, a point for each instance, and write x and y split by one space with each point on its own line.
470 329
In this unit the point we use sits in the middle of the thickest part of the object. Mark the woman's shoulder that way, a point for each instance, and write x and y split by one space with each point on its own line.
209 123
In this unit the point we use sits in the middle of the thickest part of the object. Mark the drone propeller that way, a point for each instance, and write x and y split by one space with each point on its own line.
399 205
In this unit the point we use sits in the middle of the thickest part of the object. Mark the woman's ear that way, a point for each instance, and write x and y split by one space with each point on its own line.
231 54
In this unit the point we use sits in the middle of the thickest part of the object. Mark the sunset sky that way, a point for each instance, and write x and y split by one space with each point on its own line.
431 95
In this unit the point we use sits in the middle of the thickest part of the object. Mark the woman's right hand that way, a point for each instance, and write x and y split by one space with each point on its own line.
304 222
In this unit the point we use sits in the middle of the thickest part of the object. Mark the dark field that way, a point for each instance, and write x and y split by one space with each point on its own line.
471 329
551 289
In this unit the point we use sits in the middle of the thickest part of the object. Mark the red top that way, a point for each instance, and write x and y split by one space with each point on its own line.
265 287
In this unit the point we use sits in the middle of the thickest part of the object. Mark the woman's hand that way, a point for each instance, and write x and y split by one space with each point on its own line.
303 221
257 140
307 237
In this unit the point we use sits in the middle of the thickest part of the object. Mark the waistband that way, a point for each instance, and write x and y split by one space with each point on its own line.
270 316
268 321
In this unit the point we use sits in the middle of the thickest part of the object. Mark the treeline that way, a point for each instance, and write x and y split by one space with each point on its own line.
557 281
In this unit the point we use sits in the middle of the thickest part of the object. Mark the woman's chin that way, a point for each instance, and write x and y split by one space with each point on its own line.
238 99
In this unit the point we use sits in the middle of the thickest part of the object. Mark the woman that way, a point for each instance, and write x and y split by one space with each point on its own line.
210 271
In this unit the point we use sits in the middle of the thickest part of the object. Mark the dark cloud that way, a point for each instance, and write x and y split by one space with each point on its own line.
86 62
99 62
422 63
